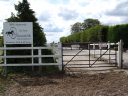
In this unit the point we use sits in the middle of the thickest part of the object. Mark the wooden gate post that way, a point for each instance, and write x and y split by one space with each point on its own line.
60 58
120 54
121 45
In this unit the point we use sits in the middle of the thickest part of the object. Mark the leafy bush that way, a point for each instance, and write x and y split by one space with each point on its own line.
84 36
62 39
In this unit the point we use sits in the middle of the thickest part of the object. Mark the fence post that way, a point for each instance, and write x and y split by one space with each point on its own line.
32 56
54 52
119 55
93 50
100 51
5 71
121 46
109 52
39 60
60 53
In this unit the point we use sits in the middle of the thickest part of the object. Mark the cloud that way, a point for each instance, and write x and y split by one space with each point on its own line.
120 10
53 30
55 2
49 25
45 16
112 20
67 14
100 15
124 20
4 0
49 34
83 4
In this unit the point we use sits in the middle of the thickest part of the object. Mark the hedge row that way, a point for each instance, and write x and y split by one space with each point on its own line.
95 34
100 33
117 32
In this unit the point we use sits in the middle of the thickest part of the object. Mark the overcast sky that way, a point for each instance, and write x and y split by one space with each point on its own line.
56 16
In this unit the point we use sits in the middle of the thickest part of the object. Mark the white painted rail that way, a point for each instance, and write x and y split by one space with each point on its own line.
59 49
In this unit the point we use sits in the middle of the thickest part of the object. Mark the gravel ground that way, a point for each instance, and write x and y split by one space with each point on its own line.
114 83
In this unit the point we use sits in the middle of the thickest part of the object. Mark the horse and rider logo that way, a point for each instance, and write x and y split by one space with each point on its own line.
12 33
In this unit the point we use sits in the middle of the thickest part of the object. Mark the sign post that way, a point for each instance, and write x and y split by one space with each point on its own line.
17 33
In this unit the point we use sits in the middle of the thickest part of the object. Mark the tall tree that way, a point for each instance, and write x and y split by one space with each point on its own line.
25 14
88 23
77 27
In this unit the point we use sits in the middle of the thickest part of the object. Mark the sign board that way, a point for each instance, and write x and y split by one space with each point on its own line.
18 33
75 46
102 45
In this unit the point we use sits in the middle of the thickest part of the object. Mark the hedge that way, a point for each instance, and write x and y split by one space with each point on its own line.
117 32
100 33
95 34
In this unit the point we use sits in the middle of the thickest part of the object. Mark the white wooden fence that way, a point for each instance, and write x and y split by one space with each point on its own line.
39 56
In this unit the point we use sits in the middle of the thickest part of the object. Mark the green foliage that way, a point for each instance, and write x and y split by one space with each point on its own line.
117 32
77 27
95 34
1 71
71 38
88 23
76 37
62 39
84 36
116 48
1 41
98 33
